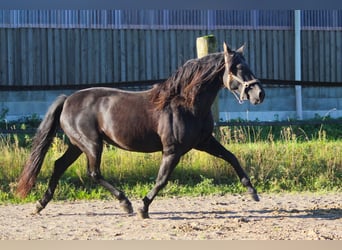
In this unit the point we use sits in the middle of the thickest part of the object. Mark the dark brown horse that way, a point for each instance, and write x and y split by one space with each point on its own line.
173 117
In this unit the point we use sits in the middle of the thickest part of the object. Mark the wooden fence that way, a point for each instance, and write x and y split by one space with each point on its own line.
54 57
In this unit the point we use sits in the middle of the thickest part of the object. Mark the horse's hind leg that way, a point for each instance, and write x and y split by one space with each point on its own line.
94 162
61 165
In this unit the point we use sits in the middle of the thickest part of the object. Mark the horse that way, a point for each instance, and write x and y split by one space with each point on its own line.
172 117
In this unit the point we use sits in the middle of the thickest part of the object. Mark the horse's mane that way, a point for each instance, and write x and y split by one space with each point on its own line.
188 81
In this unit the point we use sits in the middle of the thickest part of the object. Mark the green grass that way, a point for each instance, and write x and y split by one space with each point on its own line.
276 162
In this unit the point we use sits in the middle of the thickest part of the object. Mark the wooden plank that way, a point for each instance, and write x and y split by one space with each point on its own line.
219 38
36 57
289 55
310 59
338 53
160 55
232 39
304 54
140 55
192 42
43 59
315 55
76 54
84 56
24 56
258 66
226 37
251 51
96 43
154 55
148 55
50 57
30 55
123 56
263 54
73 54
239 39
3 58
103 50
58 57
322 69
190 45
307 56
180 49
281 55
116 56
331 46
328 41
17 70
10 56
173 51
135 55
90 55
168 55
108 54
129 55
275 55
65 57
269 54
245 41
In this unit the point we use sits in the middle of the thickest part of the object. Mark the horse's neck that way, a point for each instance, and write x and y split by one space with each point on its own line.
202 106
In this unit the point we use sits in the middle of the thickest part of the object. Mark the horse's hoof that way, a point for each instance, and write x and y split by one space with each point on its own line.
143 214
39 207
127 206
35 212
255 196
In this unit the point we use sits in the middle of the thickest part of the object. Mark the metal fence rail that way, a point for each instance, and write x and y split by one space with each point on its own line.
142 85
169 19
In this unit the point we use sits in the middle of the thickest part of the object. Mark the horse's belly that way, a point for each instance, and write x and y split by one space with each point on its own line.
136 142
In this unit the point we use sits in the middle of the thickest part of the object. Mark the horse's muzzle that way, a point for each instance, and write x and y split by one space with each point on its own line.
256 95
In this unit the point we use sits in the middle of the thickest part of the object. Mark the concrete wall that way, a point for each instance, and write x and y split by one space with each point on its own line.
279 103
27 103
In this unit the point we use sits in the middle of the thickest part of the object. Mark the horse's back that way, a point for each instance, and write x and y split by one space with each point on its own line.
122 118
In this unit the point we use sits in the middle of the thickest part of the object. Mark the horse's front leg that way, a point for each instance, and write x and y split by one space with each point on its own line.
169 162
213 147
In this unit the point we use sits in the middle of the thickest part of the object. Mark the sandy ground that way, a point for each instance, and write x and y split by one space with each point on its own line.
288 216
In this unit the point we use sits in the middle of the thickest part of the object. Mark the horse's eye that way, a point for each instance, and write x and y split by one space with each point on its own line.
239 67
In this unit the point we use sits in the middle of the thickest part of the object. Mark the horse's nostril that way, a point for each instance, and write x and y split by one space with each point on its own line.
262 95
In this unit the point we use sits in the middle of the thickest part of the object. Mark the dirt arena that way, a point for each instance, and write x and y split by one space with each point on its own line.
277 216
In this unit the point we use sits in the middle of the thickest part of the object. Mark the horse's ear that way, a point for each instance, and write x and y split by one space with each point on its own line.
240 50
226 48
226 51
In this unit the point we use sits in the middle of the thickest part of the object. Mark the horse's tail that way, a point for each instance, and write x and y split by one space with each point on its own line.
41 143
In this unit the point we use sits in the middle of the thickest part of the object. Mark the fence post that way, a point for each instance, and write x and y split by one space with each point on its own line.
298 65
206 45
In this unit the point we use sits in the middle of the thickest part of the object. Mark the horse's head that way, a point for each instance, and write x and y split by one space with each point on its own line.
239 79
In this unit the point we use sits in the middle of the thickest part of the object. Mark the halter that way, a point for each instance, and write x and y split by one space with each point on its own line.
245 84
231 77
